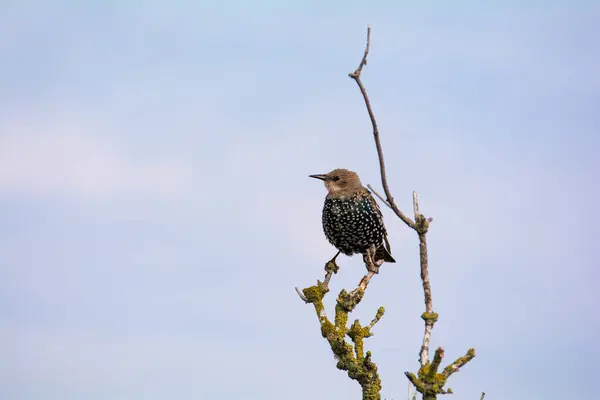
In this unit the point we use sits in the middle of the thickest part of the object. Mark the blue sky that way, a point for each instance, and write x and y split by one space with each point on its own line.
157 214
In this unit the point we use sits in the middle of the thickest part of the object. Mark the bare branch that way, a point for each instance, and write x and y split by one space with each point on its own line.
304 299
482 396
364 282
428 316
328 276
356 76
416 204
380 197
330 268
363 62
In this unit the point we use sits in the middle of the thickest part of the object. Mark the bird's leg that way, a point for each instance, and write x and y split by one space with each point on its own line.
331 265
330 268
369 259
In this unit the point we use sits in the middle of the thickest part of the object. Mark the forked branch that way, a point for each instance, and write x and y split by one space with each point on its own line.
429 382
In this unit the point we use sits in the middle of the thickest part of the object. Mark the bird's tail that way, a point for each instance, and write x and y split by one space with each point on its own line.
384 252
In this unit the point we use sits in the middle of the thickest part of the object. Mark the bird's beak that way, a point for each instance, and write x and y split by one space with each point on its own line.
322 177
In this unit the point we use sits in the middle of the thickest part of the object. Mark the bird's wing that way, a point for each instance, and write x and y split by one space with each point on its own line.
374 203
380 214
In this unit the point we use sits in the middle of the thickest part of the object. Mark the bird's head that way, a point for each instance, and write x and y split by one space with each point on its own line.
339 181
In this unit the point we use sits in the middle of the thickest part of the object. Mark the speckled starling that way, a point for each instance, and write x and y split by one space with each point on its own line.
352 220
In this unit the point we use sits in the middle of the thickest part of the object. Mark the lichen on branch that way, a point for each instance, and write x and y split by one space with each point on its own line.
350 355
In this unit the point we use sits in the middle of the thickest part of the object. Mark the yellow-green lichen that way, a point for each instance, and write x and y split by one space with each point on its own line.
341 318
431 383
421 224
349 300
430 317
315 293
357 333
327 328
350 357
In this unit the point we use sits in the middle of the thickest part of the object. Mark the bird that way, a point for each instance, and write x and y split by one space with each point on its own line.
352 220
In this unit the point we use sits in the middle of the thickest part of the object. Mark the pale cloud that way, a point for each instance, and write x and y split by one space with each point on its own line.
56 153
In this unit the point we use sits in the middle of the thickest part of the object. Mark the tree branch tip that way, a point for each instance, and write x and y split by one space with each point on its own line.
380 312
302 297
459 363
417 383
411 377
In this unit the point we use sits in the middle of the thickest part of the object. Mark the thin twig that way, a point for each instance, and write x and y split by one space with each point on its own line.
415 204
330 268
303 297
363 62
356 76
364 283
380 197
378 316
482 395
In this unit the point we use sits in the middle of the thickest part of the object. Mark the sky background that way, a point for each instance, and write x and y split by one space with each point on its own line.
156 211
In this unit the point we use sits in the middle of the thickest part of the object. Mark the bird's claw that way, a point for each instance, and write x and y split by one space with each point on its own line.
370 263
331 266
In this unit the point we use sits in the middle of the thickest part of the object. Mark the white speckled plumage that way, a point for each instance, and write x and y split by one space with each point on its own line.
352 220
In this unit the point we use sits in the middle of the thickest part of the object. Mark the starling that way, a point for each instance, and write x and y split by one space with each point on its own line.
352 220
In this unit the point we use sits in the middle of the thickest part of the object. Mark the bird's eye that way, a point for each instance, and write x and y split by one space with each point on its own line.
336 178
